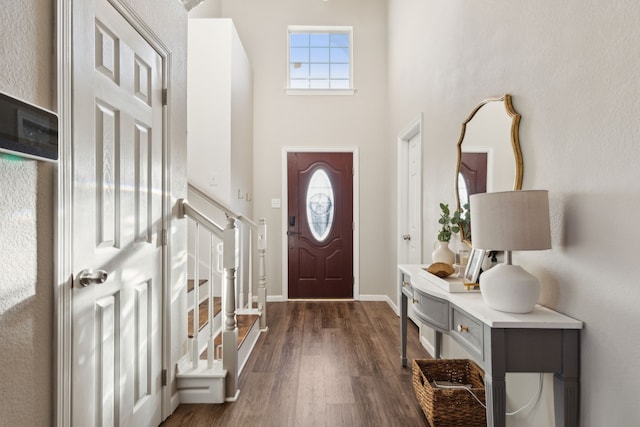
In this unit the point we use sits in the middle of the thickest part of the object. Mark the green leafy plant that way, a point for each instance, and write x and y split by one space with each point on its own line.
449 223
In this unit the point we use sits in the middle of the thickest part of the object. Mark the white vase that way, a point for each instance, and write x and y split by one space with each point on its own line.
442 253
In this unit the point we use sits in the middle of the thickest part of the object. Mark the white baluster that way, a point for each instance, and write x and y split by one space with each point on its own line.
250 269
241 272
195 355
212 257
230 333
262 272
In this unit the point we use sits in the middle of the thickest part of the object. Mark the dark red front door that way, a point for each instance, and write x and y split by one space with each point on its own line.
320 225
473 167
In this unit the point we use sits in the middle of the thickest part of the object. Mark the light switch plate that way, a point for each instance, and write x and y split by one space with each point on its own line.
275 203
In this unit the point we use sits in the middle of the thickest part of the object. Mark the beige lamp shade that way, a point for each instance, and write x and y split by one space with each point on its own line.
511 220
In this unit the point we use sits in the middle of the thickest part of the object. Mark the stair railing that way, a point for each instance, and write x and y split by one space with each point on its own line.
229 236
260 231
201 220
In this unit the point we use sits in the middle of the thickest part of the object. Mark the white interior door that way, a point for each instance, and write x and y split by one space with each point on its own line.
410 194
414 200
117 221
410 198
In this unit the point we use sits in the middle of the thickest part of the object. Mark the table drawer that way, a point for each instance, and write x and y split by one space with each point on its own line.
468 332
433 311
407 289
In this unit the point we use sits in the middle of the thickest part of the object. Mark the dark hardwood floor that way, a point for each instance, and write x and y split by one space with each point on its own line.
322 364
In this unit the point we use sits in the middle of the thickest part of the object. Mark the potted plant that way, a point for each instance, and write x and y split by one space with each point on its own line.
449 224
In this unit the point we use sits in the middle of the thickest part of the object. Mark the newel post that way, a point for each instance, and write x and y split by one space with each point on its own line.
262 272
230 331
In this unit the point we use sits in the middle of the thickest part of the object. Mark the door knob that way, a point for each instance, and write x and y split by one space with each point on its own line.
406 236
88 277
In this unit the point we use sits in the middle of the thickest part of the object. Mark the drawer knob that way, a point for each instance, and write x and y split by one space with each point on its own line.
415 301
463 328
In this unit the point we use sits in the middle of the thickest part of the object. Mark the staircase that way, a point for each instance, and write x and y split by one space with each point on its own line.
223 325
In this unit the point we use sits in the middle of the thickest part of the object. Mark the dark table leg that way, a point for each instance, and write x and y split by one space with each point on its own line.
403 328
566 384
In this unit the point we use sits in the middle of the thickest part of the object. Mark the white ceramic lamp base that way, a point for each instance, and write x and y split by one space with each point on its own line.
509 288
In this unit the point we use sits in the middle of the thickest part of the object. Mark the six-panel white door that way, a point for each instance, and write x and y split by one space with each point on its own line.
117 221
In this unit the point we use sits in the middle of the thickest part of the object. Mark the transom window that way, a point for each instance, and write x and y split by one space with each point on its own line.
320 59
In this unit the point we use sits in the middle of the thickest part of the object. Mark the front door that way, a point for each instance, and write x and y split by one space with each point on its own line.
117 221
320 225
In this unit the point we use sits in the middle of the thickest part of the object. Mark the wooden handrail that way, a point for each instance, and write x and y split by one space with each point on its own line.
186 210
226 209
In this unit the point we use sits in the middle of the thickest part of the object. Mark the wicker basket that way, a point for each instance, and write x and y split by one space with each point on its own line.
445 406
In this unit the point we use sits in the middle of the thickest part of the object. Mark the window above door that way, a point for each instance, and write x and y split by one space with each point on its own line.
319 60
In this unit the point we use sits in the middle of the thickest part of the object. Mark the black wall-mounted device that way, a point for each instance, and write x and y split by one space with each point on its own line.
27 130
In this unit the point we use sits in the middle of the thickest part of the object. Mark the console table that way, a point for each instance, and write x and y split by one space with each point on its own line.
540 341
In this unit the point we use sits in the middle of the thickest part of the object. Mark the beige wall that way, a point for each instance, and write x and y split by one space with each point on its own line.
26 226
27 70
572 68
319 121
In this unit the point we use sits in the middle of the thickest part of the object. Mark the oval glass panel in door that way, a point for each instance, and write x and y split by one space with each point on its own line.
320 206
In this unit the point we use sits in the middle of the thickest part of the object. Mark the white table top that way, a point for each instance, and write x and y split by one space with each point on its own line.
472 303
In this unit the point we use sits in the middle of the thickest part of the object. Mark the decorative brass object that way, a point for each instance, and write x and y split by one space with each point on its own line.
463 328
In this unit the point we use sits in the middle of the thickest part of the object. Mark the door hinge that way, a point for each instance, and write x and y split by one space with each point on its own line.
164 377
165 96
165 237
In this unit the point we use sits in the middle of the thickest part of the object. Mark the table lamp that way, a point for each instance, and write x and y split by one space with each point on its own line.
510 221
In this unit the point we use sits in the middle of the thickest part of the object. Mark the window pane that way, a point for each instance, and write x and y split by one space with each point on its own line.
298 39
340 84
319 71
320 205
319 39
340 54
319 54
299 84
319 84
299 54
340 71
298 70
340 40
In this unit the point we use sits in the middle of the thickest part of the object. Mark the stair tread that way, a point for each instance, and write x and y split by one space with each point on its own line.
203 311
191 284
245 322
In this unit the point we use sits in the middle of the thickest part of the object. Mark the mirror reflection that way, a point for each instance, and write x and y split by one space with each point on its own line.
489 156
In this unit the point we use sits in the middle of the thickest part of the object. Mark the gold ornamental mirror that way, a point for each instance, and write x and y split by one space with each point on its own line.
489 155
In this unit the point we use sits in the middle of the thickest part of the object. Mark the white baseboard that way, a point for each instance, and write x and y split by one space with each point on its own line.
393 306
175 401
427 346
373 298
275 298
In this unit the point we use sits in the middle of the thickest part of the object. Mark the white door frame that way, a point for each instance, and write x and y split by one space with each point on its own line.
412 130
356 213
63 272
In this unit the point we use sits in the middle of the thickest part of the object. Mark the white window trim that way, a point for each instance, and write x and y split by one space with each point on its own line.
320 29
